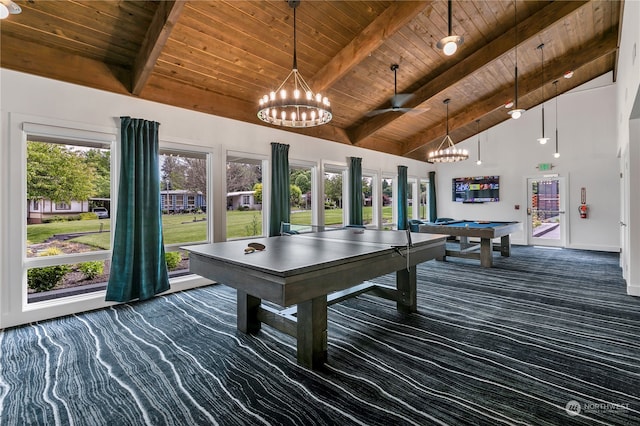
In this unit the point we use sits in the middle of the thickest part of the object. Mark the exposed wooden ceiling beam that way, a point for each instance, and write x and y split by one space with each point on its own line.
157 35
591 51
34 58
502 45
373 36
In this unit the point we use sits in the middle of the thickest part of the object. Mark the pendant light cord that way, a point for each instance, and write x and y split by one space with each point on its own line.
450 16
515 19
295 56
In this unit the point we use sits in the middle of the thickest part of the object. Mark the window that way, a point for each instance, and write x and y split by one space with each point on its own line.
387 202
244 196
412 212
424 212
334 196
184 174
302 190
367 200
65 177
63 206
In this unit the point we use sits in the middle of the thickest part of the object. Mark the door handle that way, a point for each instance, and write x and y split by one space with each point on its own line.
622 223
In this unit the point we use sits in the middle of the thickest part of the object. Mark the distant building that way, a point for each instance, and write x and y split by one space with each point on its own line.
182 201
41 209
244 199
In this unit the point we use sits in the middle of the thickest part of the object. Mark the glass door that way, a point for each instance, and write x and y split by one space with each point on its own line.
545 213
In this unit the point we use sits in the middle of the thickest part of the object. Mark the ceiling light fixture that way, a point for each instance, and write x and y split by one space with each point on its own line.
479 162
543 140
557 153
516 112
447 152
298 106
449 45
7 7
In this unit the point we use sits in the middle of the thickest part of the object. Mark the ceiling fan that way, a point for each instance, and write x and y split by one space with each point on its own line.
398 99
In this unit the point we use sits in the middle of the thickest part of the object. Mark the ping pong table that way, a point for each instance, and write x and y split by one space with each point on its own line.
304 274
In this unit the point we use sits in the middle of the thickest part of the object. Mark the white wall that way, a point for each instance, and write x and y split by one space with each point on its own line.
628 122
588 158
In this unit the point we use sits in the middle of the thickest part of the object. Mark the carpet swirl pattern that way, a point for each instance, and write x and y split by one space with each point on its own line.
546 337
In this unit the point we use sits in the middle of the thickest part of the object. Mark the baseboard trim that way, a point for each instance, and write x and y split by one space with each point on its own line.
633 289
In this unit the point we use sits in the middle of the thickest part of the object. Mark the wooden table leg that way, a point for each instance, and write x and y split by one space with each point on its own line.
505 245
407 290
312 332
247 307
486 252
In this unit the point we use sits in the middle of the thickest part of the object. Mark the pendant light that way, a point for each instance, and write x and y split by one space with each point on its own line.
479 162
543 139
298 106
516 112
449 45
447 151
8 7
557 153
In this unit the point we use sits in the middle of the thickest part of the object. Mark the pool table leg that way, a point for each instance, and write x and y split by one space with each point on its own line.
505 246
247 312
486 253
312 332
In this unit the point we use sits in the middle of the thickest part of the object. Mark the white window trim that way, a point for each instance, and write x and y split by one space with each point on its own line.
14 306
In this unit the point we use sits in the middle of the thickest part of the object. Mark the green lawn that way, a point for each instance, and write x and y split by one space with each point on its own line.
182 228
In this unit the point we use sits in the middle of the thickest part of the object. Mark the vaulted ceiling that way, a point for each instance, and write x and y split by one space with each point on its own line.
220 57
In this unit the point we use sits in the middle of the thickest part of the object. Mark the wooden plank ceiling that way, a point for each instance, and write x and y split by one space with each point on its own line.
220 57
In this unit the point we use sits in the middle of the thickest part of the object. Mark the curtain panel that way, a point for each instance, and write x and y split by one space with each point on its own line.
280 190
433 211
138 266
355 191
403 209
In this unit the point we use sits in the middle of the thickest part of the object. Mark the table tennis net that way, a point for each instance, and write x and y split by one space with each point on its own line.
294 229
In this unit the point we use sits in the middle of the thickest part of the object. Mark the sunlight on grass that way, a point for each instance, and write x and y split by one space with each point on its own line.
184 228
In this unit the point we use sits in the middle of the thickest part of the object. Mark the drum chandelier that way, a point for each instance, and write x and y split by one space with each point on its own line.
293 104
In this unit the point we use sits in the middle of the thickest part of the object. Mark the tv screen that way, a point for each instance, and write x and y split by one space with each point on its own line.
477 189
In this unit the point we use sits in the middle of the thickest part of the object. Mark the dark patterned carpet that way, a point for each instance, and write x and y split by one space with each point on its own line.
546 337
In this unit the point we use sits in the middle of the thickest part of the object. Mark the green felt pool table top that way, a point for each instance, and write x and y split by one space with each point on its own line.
475 228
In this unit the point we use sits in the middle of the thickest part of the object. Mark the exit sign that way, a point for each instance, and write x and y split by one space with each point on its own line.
544 166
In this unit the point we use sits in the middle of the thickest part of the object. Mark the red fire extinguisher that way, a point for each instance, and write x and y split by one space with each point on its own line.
582 208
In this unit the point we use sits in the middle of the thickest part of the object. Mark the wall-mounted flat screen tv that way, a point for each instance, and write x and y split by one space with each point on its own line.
478 189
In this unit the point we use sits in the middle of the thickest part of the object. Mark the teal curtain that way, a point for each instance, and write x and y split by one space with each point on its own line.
138 266
355 191
280 190
403 209
433 211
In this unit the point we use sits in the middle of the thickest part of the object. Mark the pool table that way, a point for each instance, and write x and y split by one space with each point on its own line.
485 230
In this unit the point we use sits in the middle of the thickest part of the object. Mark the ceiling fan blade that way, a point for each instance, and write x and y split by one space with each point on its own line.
378 111
400 99
415 111
403 110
